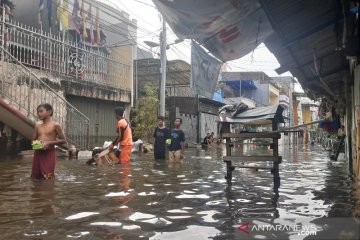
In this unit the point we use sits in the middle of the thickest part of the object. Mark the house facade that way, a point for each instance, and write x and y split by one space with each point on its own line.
79 58
254 86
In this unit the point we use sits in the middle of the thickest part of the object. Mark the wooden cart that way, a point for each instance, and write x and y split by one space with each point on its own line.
272 116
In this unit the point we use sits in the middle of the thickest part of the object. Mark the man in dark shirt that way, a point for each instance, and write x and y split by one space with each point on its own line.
176 147
161 133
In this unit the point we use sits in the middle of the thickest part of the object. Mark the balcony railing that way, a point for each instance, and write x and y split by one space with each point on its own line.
48 52
25 91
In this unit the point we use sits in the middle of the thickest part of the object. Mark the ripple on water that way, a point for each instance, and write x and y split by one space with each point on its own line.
243 200
191 232
81 215
117 194
137 216
188 191
177 211
208 216
131 227
179 217
217 192
37 233
157 221
216 203
78 235
110 224
188 196
191 201
147 193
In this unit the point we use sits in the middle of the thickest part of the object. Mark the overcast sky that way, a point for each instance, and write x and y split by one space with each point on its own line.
149 27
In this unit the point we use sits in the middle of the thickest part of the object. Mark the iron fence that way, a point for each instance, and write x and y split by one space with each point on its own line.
53 53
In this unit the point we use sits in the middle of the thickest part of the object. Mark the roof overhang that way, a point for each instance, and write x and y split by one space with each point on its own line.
308 43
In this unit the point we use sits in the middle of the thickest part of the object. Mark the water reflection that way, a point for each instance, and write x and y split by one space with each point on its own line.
157 200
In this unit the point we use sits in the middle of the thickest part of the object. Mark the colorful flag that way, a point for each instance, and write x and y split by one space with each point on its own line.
98 41
62 14
91 25
75 20
83 18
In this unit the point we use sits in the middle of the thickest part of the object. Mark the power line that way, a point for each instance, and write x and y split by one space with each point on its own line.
135 14
110 6
181 53
145 4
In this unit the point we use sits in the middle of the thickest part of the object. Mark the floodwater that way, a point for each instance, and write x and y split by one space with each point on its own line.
154 200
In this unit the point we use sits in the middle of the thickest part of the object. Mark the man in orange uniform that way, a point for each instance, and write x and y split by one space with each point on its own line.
125 136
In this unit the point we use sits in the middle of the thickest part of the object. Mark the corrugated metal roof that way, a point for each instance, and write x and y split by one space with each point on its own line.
307 32
308 41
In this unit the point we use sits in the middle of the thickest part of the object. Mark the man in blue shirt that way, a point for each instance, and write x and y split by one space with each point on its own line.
176 147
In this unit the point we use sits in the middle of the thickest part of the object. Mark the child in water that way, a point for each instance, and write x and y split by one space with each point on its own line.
49 133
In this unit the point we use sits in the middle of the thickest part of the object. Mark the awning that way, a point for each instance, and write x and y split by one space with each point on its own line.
311 39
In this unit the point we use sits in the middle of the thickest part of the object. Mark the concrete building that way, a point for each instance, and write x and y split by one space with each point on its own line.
84 78
287 88
305 108
255 86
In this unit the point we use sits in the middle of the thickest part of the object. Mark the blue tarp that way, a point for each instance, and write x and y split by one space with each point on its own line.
245 84
219 95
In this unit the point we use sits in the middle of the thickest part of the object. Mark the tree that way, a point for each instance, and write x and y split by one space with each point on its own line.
146 113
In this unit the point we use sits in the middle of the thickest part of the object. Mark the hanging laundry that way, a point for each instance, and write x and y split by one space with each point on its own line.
91 25
98 41
62 14
75 18
83 19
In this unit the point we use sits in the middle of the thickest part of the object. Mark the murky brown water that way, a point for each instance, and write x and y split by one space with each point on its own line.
154 200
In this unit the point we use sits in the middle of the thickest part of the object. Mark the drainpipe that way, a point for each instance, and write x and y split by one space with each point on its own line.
198 119
134 54
348 122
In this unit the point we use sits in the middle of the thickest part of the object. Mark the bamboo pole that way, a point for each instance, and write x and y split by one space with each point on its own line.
299 126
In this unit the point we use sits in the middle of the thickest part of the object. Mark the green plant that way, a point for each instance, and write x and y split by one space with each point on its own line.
146 113
9 3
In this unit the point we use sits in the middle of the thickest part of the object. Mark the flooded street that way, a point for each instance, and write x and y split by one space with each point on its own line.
154 200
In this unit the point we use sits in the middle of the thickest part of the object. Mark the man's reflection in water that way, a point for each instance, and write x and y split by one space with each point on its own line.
123 211
176 165
124 183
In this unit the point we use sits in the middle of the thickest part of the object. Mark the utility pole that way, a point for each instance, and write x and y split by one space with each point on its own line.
163 68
